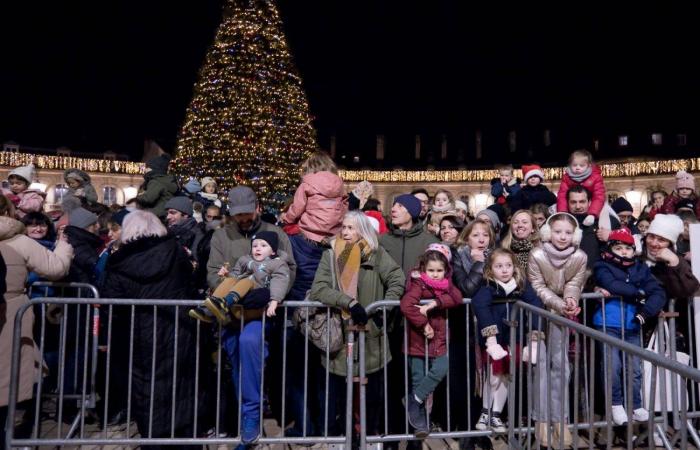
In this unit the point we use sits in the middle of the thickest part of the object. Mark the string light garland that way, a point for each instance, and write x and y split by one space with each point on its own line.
248 121
14 159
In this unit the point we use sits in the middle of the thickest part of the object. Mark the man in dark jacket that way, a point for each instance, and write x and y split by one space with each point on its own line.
182 225
82 235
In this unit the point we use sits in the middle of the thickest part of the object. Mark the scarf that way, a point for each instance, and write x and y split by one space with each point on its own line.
580 178
447 208
509 286
211 197
558 257
348 258
438 286
521 248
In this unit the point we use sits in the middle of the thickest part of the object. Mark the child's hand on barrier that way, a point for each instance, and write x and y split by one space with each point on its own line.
494 349
271 307
602 291
423 309
428 331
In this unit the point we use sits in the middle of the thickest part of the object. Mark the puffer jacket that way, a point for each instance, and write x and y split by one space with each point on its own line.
86 189
593 184
25 202
272 273
156 190
555 279
468 273
379 278
319 205
416 291
23 255
406 246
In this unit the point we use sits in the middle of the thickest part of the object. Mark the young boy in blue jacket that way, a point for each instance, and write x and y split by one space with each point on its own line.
633 295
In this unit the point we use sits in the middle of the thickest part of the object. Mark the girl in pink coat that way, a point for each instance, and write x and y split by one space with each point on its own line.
582 171
319 202
25 200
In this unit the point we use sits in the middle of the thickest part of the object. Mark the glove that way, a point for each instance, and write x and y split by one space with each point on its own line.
256 298
358 314
494 349
530 356
588 221
639 318
641 297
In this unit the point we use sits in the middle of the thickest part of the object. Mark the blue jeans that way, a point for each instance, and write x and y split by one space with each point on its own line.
247 352
618 390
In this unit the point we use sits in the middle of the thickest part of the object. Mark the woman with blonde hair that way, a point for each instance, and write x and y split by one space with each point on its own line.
522 236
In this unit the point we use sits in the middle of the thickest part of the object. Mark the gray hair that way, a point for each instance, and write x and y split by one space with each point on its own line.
364 228
139 224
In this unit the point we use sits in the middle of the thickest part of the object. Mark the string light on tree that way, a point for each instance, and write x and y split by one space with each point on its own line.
248 122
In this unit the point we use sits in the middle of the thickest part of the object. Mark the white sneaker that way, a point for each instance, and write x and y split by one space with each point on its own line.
619 415
640 415
498 425
658 442
483 423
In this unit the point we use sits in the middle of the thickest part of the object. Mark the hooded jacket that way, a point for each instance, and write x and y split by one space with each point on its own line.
156 190
86 189
319 205
593 184
272 273
406 246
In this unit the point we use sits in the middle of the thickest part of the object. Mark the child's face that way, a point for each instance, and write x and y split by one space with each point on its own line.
658 200
623 250
210 188
579 165
643 226
533 181
441 200
261 250
521 226
73 183
502 268
539 218
435 270
562 234
684 192
17 185
479 238
506 176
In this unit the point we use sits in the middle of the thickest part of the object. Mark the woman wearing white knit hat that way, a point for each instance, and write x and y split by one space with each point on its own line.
672 271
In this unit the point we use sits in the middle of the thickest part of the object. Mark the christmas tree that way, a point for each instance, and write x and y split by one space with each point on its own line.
248 122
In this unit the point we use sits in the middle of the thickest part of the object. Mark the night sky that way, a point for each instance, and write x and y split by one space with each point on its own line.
104 79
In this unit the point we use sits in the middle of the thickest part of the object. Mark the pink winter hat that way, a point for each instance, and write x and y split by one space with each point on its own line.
685 180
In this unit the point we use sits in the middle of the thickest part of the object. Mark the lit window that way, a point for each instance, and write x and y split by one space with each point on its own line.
59 192
109 195
623 140
656 138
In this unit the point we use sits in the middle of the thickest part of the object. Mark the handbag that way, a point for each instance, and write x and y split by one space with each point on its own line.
322 328
681 357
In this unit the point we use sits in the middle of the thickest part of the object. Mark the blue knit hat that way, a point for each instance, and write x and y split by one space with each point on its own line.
411 203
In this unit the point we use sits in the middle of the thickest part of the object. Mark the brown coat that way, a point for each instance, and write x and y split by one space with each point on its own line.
22 255
553 283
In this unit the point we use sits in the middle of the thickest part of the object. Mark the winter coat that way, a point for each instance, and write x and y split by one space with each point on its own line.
555 283
189 233
156 190
86 192
272 273
531 195
157 268
669 206
492 309
230 243
406 246
87 252
594 184
678 282
624 286
319 205
23 255
468 274
207 200
416 291
497 189
379 278
26 201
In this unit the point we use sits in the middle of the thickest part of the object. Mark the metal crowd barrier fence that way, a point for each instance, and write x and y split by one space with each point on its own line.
586 397
131 329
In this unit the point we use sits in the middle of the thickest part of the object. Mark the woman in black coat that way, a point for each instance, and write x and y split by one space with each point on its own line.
152 265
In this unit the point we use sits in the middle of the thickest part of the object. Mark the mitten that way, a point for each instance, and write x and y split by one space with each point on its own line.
494 349
589 220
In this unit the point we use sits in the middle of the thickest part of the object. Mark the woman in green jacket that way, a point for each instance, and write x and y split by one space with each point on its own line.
352 274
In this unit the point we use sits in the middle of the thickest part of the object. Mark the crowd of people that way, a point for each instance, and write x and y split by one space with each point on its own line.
184 241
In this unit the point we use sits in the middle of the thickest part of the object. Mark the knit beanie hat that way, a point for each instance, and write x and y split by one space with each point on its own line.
159 164
621 204
192 186
27 173
119 216
180 203
81 218
459 204
411 203
532 170
500 212
686 203
442 248
207 180
685 180
493 217
667 226
268 236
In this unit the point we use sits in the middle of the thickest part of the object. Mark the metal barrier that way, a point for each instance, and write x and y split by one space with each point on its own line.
167 324
590 408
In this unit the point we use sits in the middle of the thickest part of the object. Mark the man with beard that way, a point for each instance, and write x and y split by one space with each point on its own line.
183 226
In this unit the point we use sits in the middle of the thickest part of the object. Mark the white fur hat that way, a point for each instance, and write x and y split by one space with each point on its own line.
459 204
27 172
668 226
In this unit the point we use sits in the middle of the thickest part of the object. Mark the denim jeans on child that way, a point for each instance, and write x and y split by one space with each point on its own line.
618 390
424 383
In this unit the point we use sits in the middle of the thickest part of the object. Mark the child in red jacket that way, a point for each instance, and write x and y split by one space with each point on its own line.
431 280
582 171
683 197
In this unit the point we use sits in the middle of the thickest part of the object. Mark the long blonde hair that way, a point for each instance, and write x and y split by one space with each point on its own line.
518 272
534 236
318 161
